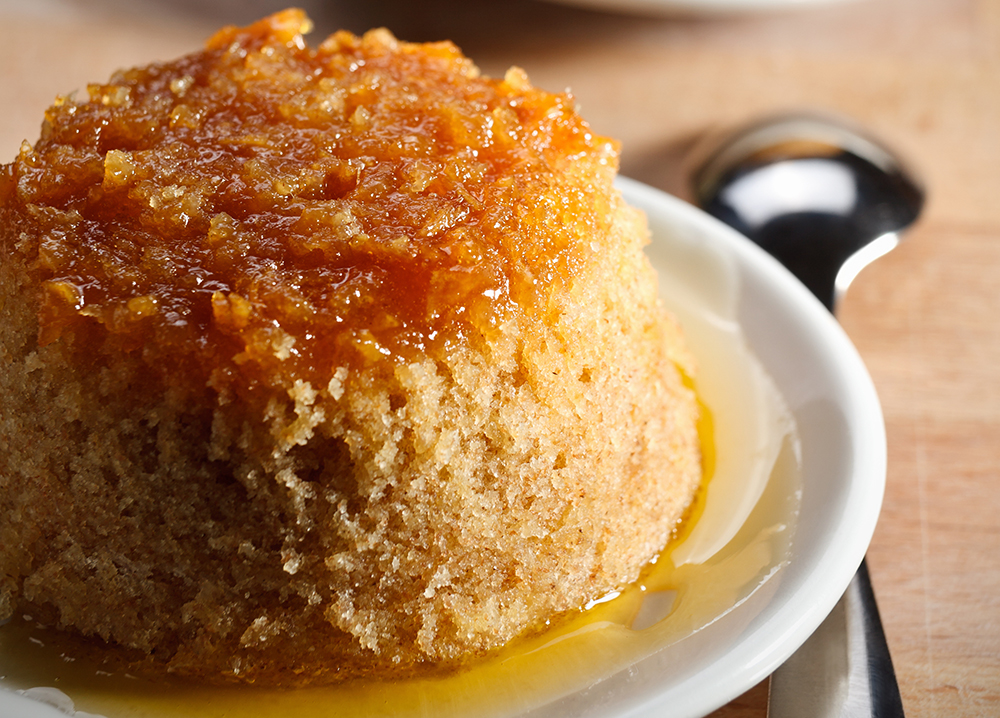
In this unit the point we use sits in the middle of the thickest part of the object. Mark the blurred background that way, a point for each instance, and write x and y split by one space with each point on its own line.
924 75
910 70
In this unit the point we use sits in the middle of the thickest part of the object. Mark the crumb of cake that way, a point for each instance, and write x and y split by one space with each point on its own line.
324 363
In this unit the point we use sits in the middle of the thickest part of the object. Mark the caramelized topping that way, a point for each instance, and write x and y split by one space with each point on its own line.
301 209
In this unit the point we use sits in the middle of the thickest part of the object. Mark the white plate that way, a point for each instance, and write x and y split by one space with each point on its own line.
827 390
695 7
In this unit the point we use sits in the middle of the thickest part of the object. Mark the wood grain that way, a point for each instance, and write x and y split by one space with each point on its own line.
923 74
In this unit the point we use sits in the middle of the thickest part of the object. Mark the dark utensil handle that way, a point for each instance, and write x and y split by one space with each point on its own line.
886 701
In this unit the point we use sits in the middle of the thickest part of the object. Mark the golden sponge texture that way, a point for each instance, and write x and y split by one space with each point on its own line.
324 363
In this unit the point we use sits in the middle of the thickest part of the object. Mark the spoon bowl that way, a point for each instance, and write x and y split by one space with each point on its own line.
816 193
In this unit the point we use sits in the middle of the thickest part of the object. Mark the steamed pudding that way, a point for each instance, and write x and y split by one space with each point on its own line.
322 363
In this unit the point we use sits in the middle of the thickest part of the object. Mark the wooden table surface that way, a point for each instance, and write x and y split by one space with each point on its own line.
923 74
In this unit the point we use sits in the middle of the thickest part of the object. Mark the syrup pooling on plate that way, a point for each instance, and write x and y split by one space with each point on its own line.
755 455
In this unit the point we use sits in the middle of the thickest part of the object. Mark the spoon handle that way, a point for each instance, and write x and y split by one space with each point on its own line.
844 670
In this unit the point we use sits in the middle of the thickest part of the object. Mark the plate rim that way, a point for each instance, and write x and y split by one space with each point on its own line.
816 592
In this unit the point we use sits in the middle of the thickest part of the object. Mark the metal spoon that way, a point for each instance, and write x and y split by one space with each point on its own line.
821 197
825 201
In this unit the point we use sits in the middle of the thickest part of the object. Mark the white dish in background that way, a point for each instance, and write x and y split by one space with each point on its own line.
696 7
794 555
